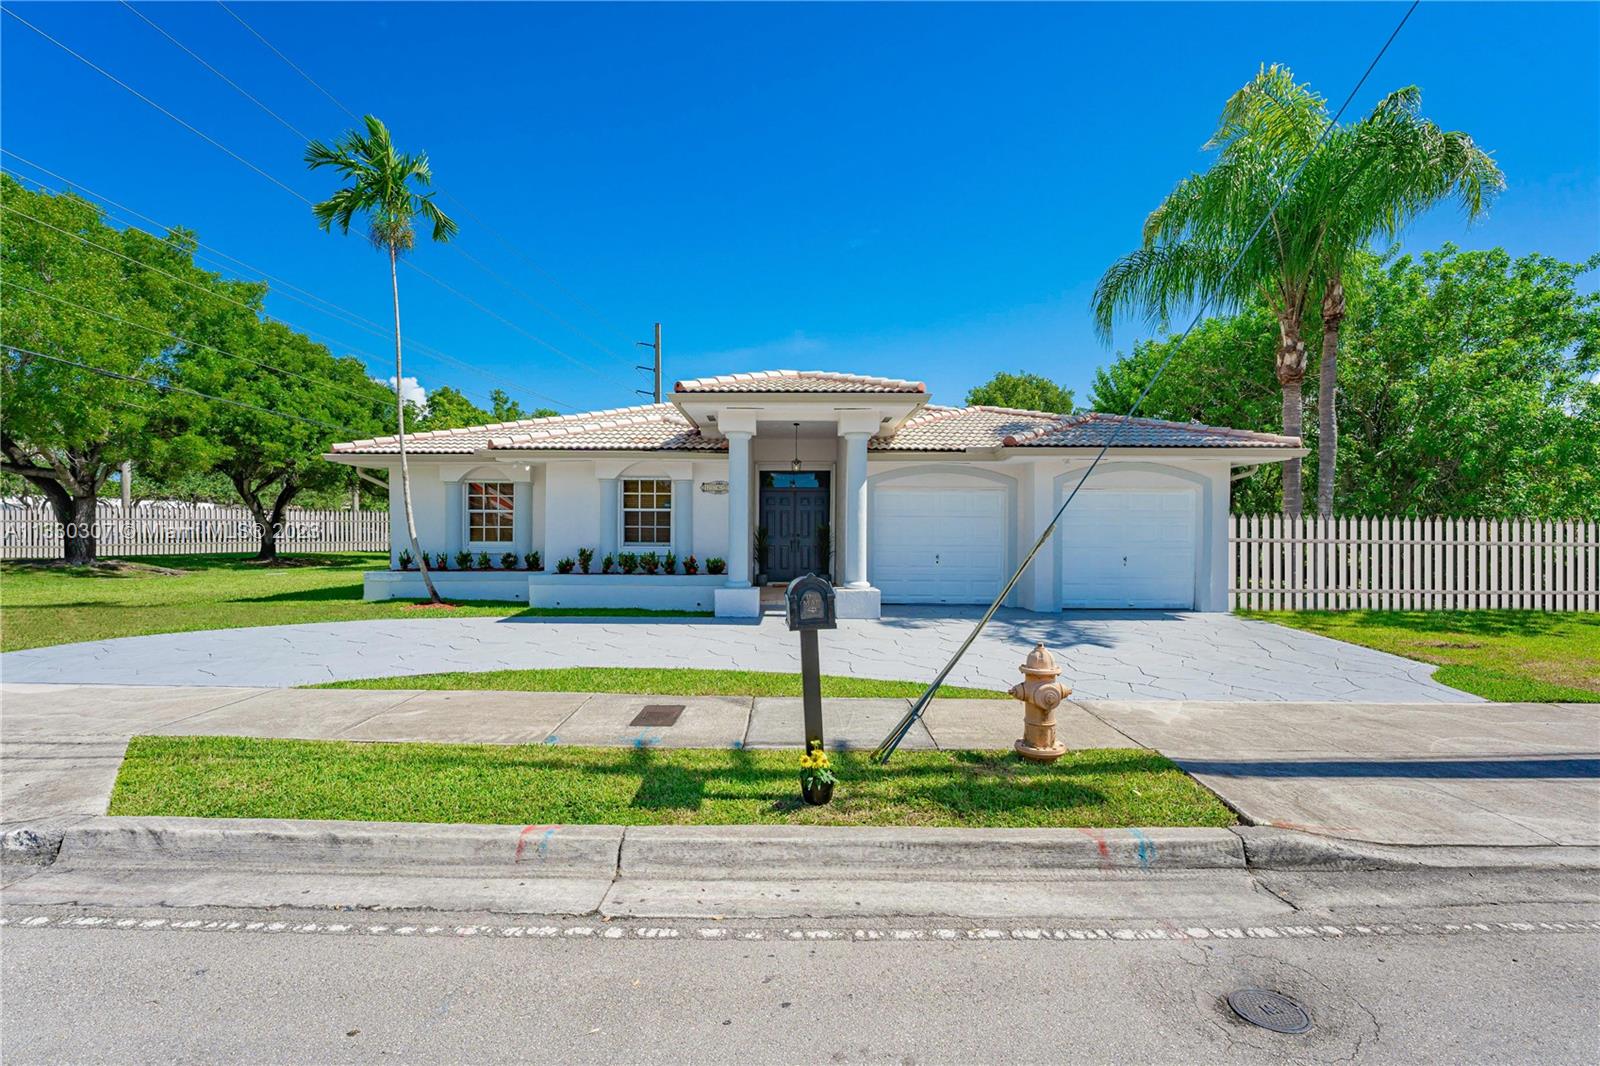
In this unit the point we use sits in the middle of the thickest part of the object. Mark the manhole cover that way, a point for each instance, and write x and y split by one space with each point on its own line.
1270 1010
658 714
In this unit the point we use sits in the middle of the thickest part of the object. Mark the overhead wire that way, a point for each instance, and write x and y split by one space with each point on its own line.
887 747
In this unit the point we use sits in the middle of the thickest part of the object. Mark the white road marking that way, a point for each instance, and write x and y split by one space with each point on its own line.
901 932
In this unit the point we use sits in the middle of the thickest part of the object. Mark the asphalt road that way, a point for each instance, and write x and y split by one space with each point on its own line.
353 991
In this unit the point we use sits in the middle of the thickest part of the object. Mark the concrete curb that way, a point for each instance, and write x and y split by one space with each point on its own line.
1270 848
272 844
878 853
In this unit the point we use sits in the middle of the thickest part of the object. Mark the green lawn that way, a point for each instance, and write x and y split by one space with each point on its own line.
240 777
59 605
659 682
1509 656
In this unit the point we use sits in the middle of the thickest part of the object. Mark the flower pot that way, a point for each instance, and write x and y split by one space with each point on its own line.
816 794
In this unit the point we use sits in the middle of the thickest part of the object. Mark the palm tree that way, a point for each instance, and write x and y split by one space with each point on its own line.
384 188
1356 181
1387 169
1202 227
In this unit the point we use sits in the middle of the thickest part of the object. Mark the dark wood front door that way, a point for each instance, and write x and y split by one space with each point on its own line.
793 507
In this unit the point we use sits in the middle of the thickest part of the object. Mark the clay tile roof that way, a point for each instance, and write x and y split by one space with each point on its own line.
469 439
652 427
1093 429
798 381
941 429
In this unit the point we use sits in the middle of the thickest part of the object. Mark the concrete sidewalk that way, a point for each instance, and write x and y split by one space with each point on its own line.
1522 775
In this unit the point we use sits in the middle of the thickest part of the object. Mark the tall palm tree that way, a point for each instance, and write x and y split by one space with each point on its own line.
1201 227
1373 176
385 189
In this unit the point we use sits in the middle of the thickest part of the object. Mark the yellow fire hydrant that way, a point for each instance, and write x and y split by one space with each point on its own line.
1040 694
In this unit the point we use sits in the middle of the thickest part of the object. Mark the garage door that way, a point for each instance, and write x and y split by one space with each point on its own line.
1129 549
937 545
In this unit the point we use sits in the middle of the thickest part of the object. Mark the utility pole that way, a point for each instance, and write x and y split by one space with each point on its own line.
125 478
657 367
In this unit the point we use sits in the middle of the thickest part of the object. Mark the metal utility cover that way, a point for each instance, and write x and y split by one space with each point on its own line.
658 714
1270 1010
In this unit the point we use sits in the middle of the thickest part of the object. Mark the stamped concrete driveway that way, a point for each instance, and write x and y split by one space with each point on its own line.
1106 655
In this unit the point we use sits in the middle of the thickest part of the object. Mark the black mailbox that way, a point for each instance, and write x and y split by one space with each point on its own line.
810 603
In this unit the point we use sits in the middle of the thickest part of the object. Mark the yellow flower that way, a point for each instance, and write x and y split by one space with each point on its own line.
820 758
806 762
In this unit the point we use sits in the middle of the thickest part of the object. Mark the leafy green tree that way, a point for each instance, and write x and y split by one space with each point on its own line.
271 460
70 306
384 189
1222 376
1468 387
1022 391
449 409
1373 176
1366 179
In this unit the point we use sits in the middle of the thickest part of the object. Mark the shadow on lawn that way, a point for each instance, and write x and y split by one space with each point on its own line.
1470 623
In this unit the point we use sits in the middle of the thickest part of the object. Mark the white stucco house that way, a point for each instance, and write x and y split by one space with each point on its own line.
922 503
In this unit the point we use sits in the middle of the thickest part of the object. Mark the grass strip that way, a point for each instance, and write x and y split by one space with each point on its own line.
664 681
244 777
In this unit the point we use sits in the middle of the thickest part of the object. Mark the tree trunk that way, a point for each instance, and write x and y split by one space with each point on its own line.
400 431
1333 310
78 532
1291 368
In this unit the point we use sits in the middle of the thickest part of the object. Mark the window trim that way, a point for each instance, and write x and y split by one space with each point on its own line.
623 509
467 511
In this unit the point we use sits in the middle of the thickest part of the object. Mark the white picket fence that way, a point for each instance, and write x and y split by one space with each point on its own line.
1339 564
34 533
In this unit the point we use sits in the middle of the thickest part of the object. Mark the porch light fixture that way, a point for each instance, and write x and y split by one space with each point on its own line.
795 463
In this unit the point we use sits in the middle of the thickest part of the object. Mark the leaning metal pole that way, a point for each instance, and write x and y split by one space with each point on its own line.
887 746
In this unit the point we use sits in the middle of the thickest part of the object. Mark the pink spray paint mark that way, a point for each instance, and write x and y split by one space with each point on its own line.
1100 844
544 841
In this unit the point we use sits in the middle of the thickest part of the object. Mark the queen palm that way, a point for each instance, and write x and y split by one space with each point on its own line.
385 188
1373 176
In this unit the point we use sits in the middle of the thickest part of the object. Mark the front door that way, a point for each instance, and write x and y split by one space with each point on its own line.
794 506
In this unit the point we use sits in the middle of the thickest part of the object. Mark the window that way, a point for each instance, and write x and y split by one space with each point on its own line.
646 511
489 511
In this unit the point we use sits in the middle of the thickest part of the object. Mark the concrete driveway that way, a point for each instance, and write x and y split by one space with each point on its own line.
1107 655
1513 774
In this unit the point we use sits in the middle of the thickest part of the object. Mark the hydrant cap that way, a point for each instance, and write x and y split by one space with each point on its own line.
1040 663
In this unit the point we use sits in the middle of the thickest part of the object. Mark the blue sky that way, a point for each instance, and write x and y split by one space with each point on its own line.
924 192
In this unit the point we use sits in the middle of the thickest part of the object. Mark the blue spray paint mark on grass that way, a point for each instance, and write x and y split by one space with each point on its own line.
552 739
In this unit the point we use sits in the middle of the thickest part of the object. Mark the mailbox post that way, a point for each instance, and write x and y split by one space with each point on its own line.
809 600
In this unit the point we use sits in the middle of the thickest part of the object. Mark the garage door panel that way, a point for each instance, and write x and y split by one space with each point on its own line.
1129 549
938 545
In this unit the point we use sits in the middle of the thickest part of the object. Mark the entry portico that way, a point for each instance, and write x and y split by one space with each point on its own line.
759 477
816 413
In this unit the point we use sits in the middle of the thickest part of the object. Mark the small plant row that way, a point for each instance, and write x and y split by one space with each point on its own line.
622 562
638 563
481 561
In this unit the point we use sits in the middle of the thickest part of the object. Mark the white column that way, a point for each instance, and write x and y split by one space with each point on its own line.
683 518
855 510
738 508
610 515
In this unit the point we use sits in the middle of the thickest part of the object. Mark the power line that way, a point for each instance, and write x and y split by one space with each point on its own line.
417 347
887 748
232 84
198 344
516 386
466 210
574 360
169 387
192 129
289 61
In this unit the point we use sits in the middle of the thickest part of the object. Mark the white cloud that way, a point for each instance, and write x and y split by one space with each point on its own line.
413 392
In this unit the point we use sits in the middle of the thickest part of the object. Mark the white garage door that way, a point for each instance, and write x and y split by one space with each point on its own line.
1129 549
937 545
